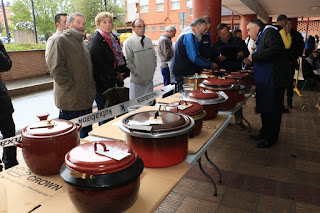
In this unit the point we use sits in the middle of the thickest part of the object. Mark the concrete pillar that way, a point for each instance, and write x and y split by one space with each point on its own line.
243 23
211 8
294 23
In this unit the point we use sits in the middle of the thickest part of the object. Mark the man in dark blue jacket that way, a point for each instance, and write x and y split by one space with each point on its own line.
7 127
271 74
229 51
187 59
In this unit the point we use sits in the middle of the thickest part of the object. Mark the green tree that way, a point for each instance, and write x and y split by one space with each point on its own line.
91 8
45 10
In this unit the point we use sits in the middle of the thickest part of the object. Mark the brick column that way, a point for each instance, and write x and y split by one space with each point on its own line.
243 23
270 21
211 8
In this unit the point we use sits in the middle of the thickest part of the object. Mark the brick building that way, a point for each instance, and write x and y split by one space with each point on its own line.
8 14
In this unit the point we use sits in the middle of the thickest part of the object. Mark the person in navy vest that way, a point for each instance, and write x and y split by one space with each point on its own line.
187 59
271 74
205 43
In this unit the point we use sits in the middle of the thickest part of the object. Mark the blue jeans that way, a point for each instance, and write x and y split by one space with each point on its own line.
9 156
166 79
69 115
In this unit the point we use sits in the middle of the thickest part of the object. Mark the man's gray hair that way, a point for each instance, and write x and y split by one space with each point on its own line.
197 22
171 28
73 16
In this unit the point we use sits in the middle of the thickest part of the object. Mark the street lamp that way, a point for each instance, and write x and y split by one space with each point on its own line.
34 21
5 21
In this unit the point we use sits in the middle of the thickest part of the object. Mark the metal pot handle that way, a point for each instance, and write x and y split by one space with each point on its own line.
102 144
79 126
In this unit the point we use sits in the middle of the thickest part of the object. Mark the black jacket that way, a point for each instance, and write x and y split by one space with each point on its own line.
102 57
297 46
234 44
6 107
271 49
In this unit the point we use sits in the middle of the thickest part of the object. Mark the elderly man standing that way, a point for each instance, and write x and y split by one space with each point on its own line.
141 60
70 65
165 52
187 59
60 21
271 74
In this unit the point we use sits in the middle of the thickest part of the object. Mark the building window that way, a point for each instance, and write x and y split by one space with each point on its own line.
188 3
153 28
161 28
160 5
146 29
175 4
144 6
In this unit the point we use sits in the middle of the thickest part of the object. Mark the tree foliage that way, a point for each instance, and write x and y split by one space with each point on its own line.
45 10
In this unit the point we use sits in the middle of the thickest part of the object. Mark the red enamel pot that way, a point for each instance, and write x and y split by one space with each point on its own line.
244 79
102 176
159 137
229 86
191 108
210 101
45 143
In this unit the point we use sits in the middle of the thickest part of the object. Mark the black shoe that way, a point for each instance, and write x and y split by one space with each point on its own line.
257 137
285 110
264 144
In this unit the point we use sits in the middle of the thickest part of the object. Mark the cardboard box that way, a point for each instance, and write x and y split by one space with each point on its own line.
27 192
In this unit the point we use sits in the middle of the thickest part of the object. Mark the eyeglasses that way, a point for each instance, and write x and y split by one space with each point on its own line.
140 26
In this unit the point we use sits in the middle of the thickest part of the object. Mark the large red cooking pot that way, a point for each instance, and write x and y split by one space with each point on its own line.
98 181
244 79
210 101
229 86
192 109
159 137
45 143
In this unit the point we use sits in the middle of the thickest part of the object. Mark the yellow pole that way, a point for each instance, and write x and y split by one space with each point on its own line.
297 77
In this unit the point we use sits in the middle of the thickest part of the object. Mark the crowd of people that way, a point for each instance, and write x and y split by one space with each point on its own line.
83 69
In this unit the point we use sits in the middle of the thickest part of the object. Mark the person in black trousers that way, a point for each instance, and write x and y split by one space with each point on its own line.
7 127
271 74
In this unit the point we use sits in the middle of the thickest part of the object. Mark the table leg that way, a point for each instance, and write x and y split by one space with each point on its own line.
208 176
247 123
215 166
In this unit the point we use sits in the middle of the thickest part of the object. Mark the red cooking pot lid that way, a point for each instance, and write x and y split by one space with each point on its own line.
50 128
219 81
85 159
238 75
203 94
186 107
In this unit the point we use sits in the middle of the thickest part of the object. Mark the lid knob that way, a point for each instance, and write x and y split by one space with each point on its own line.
43 116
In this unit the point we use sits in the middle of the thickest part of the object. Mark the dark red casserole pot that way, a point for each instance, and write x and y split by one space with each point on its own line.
192 109
45 143
159 145
97 183
229 86
210 101
244 79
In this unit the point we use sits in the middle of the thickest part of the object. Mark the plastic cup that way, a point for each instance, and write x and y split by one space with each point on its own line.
188 87
133 108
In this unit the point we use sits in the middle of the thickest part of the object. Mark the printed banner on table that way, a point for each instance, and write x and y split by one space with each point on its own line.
106 113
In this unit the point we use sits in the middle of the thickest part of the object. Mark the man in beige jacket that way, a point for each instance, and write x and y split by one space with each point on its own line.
70 65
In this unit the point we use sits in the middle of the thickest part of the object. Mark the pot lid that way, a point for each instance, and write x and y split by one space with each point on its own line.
203 94
48 128
219 81
186 107
157 121
238 75
208 72
98 158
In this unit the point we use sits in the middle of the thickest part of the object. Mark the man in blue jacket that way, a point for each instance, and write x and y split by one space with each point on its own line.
187 59
271 74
